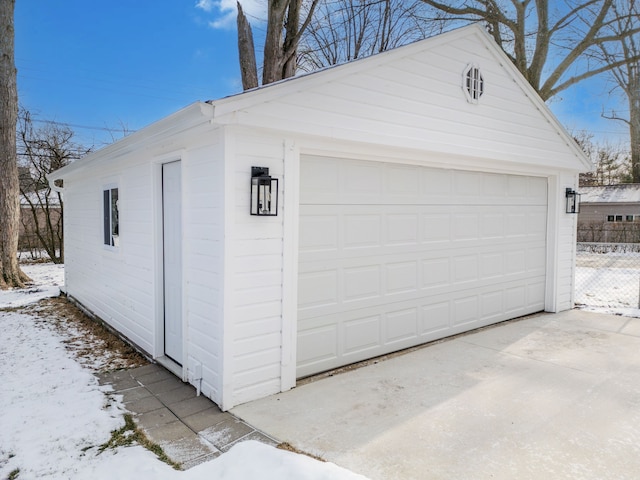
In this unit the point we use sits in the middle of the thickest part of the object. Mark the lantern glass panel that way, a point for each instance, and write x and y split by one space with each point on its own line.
264 196
573 201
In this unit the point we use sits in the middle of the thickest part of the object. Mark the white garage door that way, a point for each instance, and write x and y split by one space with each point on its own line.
395 255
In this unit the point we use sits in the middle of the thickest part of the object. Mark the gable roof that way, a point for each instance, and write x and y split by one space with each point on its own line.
419 86
410 97
623 193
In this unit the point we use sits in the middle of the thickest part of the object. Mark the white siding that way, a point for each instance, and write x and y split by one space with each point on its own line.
567 238
121 286
117 285
413 98
203 262
254 253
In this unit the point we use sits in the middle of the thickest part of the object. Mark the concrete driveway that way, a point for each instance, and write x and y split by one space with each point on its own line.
551 396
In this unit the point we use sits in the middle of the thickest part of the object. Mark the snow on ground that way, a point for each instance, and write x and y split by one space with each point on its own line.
47 278
55 415
608 290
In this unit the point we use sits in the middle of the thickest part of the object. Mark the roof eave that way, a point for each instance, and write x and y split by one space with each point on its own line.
188 116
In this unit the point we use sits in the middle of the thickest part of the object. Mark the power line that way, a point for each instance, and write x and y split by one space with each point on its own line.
75 125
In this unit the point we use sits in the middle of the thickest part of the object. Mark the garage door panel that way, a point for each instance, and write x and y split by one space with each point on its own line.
492 225
333 340
537 223
435 272
362 334
492 304
434 318
329 181
435 227
361 230
465 268
536 257
321 179
465 226
492 265
362 283
318 345
465 310
535 295
334 288
402 229
359 257
414 298
318 288
401 325
400 255
360 180
435 183
318 232
400 277
389 231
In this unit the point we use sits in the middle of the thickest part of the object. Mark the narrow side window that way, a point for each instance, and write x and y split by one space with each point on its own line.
111 227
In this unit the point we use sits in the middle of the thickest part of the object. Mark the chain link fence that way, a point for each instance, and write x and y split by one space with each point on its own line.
608 275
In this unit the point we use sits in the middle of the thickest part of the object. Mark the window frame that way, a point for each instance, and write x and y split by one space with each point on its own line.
111 216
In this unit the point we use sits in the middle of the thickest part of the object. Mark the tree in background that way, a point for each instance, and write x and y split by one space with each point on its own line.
627 75
313 34
284 31
612 164
40 152
345 30
10 273
553 44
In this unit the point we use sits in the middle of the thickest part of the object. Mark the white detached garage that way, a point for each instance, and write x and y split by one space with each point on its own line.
421 193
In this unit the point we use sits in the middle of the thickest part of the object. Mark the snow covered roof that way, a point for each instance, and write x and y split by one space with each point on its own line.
623 193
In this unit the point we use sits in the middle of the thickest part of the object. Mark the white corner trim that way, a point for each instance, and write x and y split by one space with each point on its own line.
291 195
227 397
553 229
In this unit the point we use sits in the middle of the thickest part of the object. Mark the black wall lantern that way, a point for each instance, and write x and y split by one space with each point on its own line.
573 201
264 192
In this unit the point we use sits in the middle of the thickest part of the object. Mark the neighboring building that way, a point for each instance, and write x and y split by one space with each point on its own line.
610 213
421 194
37 209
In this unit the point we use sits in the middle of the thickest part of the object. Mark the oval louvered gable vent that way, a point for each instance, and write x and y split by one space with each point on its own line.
473 83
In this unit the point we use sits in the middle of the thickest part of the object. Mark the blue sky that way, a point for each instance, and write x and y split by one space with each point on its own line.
108 64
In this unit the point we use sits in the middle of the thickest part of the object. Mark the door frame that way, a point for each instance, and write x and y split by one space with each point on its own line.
158 221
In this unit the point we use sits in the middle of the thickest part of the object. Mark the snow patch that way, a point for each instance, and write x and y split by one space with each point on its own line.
55 415
47 280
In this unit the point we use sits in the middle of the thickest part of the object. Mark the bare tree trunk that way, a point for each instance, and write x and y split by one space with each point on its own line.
273 43
625 55
246 52
10 274
280 44
289 48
